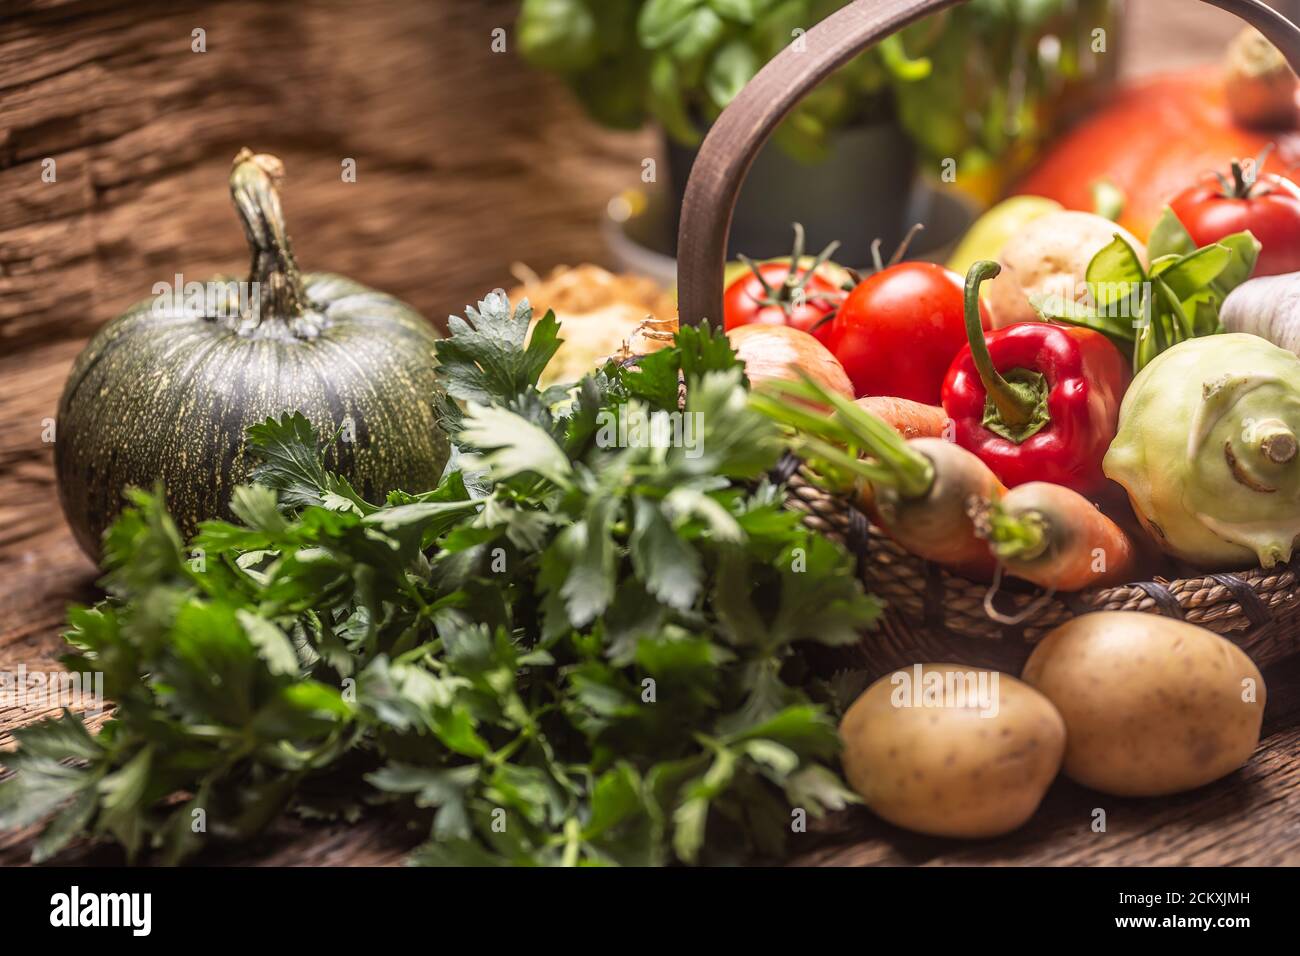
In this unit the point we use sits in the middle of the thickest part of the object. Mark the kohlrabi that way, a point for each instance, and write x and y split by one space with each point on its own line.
1207 450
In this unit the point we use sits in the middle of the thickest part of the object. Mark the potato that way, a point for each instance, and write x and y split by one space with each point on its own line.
1049 257
951 766
1151 705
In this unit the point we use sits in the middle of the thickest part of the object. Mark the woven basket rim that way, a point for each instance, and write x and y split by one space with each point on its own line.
1225 601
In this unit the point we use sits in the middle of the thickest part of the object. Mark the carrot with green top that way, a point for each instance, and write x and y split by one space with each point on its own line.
921 492
1055 538
910 419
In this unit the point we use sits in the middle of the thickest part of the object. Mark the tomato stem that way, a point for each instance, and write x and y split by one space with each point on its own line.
903 246
876 260
1240 189
785 295
1242 185
772 295
796 254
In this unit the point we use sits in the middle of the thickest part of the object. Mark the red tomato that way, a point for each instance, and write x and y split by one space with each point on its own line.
1270 209
899 330
746 302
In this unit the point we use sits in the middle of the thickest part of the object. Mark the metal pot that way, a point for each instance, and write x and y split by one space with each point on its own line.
858 194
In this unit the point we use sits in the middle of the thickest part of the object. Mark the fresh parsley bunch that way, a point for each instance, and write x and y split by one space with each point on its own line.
571 651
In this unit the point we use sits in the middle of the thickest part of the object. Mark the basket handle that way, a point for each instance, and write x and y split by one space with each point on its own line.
745 125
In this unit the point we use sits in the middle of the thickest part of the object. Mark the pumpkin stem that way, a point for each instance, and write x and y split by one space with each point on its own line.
274 273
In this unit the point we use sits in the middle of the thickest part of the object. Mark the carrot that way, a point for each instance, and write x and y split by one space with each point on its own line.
1055 538
919 491
936 524
910 419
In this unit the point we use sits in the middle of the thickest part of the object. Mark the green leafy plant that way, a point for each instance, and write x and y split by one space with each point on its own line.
946 78
574 650
1146 311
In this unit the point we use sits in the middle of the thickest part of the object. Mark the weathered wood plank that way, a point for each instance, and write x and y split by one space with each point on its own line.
466 160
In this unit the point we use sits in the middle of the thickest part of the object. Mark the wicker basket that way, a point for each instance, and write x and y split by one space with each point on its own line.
935 615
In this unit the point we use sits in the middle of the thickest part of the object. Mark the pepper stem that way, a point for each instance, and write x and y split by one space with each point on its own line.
274 273
1018 406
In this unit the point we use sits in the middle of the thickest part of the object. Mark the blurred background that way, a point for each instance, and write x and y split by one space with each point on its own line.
483 136
492 144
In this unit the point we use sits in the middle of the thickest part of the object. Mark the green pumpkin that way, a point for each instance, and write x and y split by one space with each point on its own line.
165 392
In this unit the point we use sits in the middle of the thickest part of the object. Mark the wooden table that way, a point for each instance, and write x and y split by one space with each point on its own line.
509 173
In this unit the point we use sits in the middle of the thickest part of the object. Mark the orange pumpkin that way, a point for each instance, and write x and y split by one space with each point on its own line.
1152 139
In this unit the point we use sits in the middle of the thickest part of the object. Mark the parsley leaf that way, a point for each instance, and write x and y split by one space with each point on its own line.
583 647
292 465
486 359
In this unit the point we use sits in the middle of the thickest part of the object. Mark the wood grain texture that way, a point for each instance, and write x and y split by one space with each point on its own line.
466 163
466 160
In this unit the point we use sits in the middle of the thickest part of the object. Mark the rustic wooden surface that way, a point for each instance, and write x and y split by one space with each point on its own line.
466 163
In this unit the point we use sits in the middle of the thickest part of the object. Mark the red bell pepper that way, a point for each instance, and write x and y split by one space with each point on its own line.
1035 401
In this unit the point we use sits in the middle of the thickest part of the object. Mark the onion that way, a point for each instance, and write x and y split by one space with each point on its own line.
602 315
781 352
1258 84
